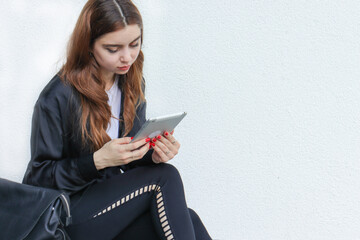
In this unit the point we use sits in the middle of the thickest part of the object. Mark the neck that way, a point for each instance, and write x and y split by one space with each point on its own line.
109 79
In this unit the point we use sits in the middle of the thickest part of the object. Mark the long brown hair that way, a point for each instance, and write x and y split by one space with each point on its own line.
81 70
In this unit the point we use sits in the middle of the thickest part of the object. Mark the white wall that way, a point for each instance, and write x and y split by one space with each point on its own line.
270 146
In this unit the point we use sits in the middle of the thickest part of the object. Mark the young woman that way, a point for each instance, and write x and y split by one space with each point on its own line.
82 126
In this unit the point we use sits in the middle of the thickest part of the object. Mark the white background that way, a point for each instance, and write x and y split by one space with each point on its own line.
270 146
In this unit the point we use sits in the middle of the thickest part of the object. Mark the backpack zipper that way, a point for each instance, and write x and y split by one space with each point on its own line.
67 209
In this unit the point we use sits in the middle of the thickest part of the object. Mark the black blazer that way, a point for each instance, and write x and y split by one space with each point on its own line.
58 158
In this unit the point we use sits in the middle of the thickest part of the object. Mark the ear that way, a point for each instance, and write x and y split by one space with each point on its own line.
91 49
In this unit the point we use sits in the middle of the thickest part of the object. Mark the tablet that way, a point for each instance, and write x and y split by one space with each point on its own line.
156 126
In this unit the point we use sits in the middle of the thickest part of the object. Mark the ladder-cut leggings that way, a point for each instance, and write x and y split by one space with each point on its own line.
119 206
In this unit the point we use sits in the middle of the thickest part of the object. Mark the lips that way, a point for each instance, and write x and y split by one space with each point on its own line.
124 68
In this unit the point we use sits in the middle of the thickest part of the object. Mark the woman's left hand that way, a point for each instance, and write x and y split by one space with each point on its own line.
165 147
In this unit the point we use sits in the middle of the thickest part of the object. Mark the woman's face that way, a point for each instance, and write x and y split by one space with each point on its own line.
116 51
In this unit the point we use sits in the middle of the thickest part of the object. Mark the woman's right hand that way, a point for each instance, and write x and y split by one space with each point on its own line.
119 152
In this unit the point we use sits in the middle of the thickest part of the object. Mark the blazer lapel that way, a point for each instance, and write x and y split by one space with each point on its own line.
121 123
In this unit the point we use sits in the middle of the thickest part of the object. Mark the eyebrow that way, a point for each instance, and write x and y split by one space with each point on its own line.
118 45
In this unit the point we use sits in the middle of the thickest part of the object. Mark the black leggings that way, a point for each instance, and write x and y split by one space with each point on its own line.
147 202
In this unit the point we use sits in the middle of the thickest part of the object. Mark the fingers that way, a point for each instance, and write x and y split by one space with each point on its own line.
164 149
169 153
136 154
161 152
140 152
134 145
170 136
120 151
173 143
166 146
124 140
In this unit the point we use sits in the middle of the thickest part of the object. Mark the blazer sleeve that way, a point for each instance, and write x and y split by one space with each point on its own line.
48 167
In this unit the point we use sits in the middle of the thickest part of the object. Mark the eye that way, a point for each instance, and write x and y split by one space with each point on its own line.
111 51
134 45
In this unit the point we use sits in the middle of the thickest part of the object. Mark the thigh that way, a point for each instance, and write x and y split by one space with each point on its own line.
106 208
105 193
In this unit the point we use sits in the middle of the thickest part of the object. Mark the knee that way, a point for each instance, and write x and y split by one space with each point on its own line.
168 171
194 217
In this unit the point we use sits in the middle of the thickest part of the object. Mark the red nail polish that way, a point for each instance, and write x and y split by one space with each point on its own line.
166 133
153 144
149 145
159 137
147 140
154 139
132 138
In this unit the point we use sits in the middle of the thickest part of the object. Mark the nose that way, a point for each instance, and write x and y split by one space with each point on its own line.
125 55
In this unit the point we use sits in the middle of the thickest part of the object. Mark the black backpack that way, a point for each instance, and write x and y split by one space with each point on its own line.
29 212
